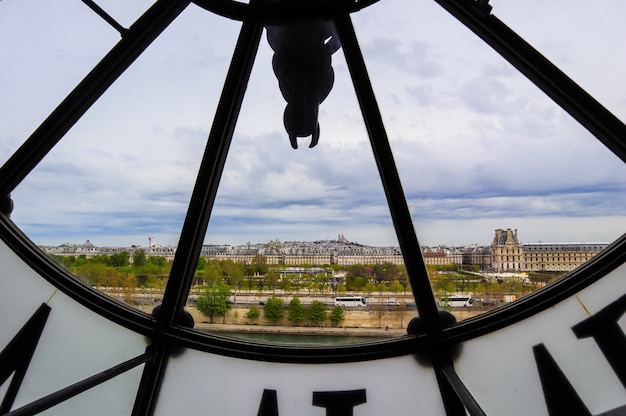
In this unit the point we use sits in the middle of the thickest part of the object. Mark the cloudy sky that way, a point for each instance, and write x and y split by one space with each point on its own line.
477 146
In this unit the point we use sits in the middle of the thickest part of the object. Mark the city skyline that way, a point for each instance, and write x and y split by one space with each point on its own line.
477 146
339 239
588 230
506 253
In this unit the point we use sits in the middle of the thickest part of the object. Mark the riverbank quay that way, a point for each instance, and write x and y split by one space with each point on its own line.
392 321
301 330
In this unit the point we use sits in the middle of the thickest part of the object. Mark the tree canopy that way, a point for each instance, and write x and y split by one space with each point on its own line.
337 315
214 299
253 313
139 258
274 309
317 312
297 311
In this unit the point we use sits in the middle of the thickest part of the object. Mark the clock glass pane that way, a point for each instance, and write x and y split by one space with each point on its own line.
233 387
309 186
509 361
74 344
506 191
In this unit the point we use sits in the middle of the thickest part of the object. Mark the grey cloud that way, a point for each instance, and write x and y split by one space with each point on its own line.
413 57
487 95
475 143
424 95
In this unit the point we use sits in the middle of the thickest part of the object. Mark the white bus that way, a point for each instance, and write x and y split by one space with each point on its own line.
456 301
350 301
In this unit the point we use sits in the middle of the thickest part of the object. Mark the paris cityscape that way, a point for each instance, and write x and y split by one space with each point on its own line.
504 254
364 286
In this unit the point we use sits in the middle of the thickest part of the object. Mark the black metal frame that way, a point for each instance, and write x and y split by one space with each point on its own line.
75 389
145 30
437 337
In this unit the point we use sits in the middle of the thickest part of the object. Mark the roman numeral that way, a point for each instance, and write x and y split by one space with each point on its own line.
16 356
605 330
336 403
269 404
339 403
560 396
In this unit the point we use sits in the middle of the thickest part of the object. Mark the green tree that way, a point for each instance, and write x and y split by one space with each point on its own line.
157 261
212 273
91 273
396 287
102 258
201 263
369 289
442 283
341 289
285 284
129 283
321 283
253 313
81 260
214 299
337 315
147 269
234 273
513 286
356 283
403 277
271 280
295 283
317 312
274 309
139 258
120 259
382 286
248 284
358 270
66 261
296 311
259 265
382 272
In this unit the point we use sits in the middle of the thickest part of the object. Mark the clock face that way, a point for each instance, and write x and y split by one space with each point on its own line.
375 79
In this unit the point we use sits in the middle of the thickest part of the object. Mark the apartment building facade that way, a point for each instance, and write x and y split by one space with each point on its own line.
505 254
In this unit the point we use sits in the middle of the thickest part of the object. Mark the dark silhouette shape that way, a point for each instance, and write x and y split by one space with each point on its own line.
302 64
6 204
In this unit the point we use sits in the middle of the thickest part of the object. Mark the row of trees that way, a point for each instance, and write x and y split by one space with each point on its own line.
127 270
137 270
297 312
459 281
358 275
215 300
121 270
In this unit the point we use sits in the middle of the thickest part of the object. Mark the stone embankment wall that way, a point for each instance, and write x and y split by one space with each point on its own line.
394 318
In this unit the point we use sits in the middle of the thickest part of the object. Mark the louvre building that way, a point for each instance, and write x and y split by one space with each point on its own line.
507 254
